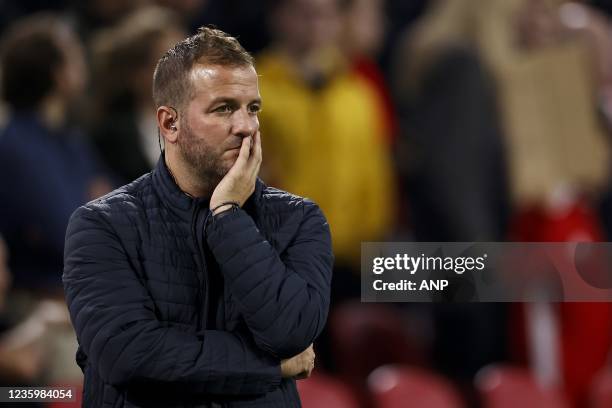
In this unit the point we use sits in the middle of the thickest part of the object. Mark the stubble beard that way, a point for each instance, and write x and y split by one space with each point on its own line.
204 162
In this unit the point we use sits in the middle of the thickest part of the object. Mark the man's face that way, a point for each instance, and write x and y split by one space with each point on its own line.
307 25
222 112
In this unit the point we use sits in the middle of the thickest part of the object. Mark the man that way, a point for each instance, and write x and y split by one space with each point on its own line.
46 168
304 75
24 342
123 58
196 285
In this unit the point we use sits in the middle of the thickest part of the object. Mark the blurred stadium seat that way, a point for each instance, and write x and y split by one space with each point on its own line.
510 387
321 390
396 386
377 333
601 390
367 336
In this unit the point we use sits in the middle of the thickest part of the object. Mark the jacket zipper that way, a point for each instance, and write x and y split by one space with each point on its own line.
199 263
206 293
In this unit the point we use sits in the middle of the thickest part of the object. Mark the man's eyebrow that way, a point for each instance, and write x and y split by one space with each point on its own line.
231 101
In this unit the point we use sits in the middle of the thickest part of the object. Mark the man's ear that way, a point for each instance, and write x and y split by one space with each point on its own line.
167 120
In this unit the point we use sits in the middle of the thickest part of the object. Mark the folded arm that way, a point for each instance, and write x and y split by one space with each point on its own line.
114 318
284 298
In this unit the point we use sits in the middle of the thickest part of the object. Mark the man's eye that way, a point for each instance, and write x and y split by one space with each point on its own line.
254 108
223 109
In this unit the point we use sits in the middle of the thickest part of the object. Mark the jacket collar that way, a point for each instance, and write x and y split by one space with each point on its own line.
177 200
181 203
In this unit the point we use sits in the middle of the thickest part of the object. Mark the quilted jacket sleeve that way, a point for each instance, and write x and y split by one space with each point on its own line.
284 298
116 325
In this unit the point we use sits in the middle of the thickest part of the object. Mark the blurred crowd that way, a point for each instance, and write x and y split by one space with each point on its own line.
426 120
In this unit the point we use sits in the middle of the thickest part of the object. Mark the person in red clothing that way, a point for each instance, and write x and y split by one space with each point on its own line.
362 38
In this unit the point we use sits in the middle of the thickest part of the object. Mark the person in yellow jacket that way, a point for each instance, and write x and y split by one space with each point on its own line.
322 127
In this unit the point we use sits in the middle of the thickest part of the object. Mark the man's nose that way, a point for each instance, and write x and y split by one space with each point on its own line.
245 123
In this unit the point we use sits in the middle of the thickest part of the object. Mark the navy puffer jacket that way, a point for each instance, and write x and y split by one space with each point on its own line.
175 308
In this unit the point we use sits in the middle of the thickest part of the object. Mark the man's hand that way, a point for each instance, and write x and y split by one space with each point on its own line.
239 182
300 366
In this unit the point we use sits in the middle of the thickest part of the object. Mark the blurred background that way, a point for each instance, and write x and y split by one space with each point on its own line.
406 120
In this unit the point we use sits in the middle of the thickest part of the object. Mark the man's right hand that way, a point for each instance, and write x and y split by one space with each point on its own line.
239 182
299 366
